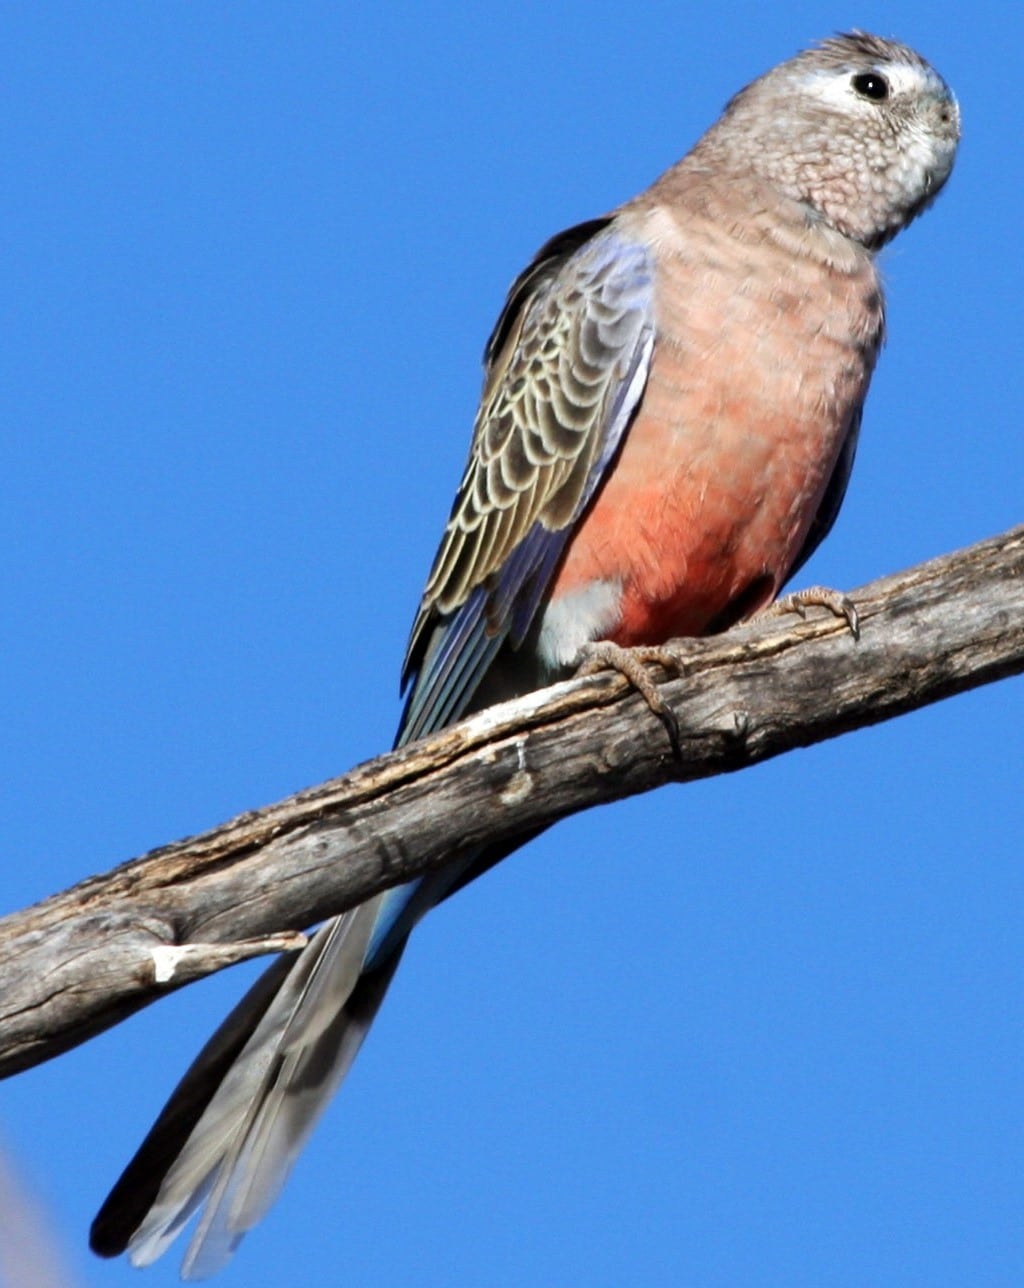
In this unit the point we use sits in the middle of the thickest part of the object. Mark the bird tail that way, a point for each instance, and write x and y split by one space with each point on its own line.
237 1121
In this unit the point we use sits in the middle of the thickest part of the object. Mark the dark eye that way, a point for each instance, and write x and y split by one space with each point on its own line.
871 85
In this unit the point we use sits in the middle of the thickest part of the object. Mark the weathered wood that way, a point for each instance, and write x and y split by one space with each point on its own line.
84 959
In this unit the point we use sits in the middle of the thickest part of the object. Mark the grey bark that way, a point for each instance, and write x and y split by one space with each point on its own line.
90 956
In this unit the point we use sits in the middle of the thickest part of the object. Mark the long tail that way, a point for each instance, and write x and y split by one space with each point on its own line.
235 1124
237 1121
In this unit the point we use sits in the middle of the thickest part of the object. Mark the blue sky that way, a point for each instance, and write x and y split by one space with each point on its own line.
764 1030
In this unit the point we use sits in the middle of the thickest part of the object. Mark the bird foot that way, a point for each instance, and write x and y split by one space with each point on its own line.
798 601
631 663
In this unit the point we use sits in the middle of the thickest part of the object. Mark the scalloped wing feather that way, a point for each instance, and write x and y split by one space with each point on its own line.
567 371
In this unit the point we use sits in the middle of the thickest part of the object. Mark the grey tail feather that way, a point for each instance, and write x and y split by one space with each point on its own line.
137 1191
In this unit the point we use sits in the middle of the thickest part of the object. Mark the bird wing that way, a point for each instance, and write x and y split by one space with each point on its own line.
831 502
564 372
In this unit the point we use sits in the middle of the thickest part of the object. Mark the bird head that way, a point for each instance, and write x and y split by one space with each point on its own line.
862 131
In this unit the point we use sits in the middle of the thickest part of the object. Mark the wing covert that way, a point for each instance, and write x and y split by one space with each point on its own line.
566 367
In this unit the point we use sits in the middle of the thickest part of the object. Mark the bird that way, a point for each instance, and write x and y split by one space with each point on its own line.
670 409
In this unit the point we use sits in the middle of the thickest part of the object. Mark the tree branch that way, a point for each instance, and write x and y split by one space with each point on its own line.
85 959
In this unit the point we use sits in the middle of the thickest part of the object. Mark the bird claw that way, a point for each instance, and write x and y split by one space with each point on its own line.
798 601
631 663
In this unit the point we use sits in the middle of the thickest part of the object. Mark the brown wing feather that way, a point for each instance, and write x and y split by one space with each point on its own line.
559 353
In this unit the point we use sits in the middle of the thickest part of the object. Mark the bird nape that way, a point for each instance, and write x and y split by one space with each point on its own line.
671 403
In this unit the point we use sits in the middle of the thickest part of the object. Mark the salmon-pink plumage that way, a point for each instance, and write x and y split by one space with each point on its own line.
670 409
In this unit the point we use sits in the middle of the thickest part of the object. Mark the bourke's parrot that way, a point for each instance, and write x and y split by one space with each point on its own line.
671 401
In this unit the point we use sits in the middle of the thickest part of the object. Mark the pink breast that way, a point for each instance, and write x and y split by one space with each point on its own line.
709 502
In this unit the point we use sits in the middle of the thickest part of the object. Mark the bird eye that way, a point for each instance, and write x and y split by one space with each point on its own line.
871 85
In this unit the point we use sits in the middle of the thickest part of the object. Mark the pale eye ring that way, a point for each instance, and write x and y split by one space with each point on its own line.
872 85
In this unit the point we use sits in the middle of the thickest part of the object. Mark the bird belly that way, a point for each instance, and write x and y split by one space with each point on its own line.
760 365
706 509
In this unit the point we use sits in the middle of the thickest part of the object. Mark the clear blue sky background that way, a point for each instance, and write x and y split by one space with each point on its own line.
762 1031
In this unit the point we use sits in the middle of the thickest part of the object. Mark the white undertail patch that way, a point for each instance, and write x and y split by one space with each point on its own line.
577 618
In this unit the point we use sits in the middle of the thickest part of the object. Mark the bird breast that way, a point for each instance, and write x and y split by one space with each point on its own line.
760 365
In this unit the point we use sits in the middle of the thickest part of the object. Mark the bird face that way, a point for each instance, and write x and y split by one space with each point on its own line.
896 125
861 130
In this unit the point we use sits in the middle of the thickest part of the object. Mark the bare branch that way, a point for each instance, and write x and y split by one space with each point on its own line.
84 959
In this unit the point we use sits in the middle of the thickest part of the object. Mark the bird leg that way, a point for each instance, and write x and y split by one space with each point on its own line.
632 663
798 601
603 655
